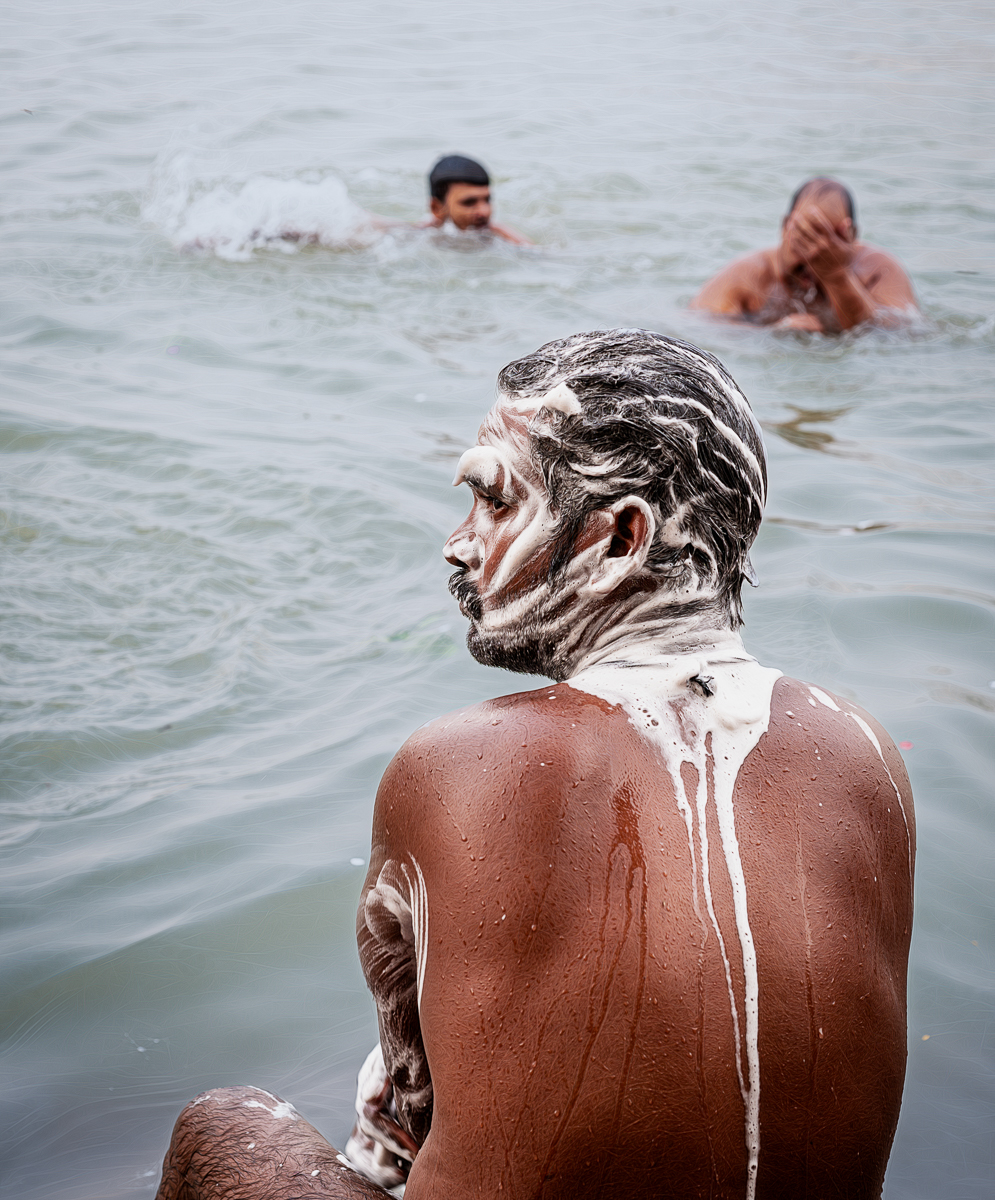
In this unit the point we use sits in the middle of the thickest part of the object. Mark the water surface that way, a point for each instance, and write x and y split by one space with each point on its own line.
226 486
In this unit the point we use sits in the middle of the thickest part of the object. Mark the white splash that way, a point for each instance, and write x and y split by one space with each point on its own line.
232 217
706 699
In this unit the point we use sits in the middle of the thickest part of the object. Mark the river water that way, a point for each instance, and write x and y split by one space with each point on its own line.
226 477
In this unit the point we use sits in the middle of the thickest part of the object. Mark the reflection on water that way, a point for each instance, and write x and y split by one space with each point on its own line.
226 484
795 430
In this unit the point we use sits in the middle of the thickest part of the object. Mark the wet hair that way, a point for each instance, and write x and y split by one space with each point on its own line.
662 420
822 185
454 168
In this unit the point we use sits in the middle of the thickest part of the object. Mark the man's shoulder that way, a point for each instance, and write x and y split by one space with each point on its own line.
810 724
742 284
873 265
456 779
533 717
867 253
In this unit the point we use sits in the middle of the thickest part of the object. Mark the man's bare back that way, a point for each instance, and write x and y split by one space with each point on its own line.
819 278
644 929
575 1005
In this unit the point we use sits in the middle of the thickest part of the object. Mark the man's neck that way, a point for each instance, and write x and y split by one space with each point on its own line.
659 626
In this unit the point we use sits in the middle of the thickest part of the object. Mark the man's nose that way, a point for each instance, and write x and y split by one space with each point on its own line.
463 549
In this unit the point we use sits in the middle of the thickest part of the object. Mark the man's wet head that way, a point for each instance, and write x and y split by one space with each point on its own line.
822 199
460 192
618 482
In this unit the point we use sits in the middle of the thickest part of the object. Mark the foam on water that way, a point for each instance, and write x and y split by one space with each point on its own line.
231 217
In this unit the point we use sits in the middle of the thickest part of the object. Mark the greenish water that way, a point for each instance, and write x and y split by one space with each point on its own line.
225 486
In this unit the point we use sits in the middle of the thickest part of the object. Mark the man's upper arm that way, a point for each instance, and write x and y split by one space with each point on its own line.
469 812
731 291
391 930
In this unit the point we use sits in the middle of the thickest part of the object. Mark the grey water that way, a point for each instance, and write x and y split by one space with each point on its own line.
226 482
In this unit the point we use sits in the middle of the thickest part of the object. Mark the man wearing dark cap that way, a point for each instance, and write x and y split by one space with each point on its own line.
820 278
461 193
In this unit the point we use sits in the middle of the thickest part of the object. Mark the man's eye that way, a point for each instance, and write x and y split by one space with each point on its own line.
496 504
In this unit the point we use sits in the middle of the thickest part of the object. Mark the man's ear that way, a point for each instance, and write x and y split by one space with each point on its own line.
625 549
846 230
438 209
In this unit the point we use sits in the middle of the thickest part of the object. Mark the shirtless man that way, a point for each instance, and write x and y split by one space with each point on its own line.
643 931
460 192
820 278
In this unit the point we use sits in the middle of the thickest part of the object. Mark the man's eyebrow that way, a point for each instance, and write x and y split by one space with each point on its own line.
479 484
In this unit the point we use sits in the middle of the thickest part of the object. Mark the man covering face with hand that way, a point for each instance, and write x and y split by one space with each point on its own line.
644 930
821 278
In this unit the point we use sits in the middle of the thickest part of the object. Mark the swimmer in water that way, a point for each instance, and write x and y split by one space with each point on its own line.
820 278
642 931
460 193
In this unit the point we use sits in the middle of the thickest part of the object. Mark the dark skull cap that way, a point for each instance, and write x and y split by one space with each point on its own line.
454 168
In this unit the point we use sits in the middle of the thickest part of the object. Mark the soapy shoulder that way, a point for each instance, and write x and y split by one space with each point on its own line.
810 725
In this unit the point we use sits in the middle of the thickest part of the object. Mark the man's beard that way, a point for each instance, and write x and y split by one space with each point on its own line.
535 645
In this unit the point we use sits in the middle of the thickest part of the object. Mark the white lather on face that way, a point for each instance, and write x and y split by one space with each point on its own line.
721 729
500 468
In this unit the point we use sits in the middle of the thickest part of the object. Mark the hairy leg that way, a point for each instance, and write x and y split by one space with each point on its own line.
241 1143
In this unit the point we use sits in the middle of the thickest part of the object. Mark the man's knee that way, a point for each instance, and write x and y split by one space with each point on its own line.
223 1112
224 1134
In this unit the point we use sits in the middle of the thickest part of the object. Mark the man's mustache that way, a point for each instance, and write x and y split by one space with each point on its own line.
465 591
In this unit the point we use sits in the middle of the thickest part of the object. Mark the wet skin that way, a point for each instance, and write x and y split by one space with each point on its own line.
468 206
573 1035
575 1018
820 278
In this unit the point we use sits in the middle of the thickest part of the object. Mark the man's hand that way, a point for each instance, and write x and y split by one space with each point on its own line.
808 322
824 249
378 1147
829 252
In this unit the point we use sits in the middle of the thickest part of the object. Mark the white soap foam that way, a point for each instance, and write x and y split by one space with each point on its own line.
280 1111
657 688
558 399
418 894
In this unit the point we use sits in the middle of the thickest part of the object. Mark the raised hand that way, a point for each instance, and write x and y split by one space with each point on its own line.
825 249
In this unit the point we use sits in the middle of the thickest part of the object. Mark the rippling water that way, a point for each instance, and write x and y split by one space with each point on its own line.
226 484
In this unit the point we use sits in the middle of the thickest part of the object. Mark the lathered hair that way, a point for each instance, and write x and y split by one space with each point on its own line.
663 420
